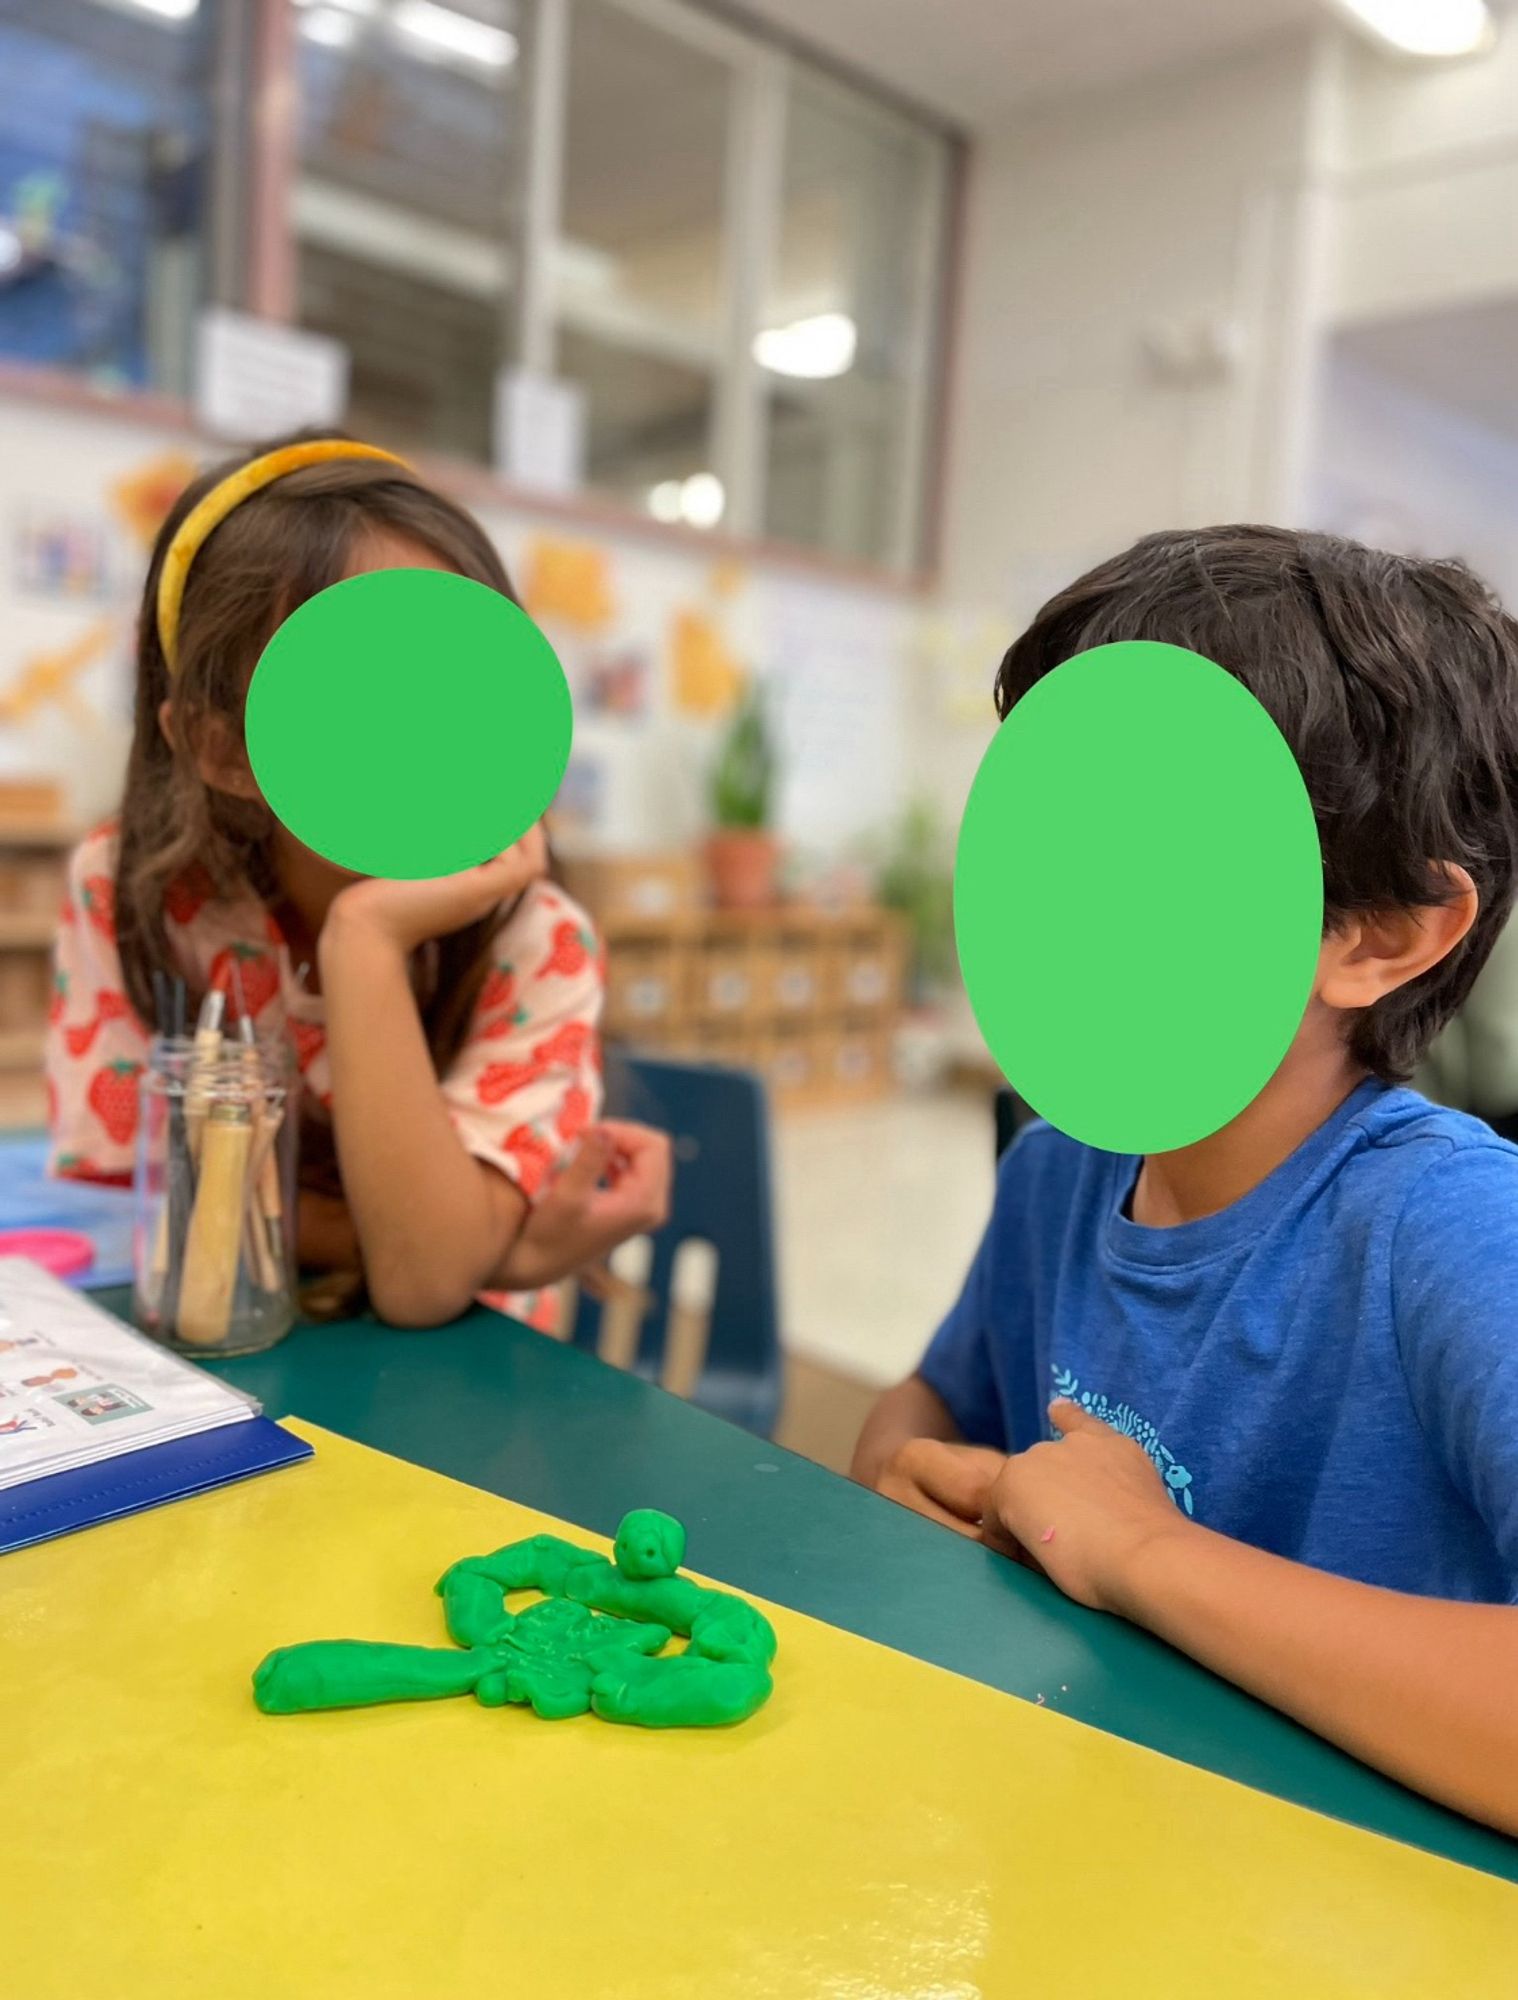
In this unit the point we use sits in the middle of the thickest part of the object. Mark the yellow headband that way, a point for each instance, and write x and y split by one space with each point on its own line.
208 514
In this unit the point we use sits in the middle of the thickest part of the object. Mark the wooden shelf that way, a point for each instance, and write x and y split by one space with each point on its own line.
21 1049
26 930
31 833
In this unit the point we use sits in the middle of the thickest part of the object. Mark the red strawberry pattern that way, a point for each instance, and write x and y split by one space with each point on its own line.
99 899
253 983
310 1038
533 1156
113 1006
112 1097
80 1038
496 1081
58 999
574 1114
499 990
188 894
505 1024
566 1047
571 951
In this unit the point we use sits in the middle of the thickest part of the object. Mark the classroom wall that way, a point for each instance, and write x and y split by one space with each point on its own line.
1427 164
1401 472
1095 229
654 634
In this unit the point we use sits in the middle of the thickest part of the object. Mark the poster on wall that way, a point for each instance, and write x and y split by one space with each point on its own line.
539 431
63 555
254 379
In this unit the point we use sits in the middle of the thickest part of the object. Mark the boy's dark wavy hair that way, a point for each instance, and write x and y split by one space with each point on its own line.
1395 682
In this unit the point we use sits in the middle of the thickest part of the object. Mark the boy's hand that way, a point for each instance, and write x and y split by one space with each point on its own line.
407 914
615 1186
1082 1507
950 1483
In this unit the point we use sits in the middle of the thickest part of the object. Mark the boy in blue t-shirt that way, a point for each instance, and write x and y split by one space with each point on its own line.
1284 1360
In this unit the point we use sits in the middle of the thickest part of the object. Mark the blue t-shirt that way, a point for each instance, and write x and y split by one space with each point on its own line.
1328 1369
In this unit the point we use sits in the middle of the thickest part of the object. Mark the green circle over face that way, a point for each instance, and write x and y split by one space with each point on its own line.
409 723
1138 897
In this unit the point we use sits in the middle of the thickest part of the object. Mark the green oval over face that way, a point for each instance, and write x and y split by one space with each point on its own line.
409 723
1138 897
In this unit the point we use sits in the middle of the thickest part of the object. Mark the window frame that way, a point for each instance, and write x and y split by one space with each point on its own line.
251 261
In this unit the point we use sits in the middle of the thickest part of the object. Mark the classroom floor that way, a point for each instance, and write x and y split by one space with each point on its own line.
880 1210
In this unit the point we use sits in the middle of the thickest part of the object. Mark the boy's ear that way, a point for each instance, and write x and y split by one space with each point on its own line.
219 758
1372 954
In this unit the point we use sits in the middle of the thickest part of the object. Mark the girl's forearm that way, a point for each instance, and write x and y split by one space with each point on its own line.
325 1237
431 1221
1417 1686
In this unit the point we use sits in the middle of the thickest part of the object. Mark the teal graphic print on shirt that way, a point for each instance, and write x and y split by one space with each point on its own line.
1126 1420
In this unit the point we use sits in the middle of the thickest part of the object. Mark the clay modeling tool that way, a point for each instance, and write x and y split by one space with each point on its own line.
266 1214
178 1188
212 1248
203 1059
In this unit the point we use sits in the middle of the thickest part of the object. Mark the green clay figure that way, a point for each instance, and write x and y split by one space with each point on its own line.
648 1544
352 1673
592 1643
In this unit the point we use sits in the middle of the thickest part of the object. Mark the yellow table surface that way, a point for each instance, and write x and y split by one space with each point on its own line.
881 1829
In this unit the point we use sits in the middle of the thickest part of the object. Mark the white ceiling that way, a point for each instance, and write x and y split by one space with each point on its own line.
971 60
1463 360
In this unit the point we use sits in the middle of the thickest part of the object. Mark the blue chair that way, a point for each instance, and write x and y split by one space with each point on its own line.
718 1120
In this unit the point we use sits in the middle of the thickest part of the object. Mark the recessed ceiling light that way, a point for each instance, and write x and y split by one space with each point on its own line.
664 500
702 499
1424 27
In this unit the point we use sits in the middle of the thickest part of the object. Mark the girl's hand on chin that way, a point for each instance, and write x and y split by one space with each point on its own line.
406 914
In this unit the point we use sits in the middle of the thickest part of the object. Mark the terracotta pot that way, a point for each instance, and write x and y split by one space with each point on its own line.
743 862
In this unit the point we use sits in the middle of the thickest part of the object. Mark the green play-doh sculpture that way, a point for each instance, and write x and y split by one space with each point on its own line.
593 1641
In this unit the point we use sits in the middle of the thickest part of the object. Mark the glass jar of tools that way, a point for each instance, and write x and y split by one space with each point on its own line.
214 1241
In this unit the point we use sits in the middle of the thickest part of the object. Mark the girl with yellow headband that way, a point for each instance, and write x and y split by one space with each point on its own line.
446 1031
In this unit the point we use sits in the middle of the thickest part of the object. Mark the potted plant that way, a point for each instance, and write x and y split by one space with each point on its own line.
742 853
917 880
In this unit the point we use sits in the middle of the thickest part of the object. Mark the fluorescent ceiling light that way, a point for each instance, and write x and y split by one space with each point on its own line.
328 27
11 251
447 32
161 10
1424 27
814 349
363 10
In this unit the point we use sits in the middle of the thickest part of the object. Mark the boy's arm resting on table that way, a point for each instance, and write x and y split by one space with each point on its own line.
1421 1688
911 1450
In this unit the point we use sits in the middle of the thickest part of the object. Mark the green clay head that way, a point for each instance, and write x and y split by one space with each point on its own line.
649 1544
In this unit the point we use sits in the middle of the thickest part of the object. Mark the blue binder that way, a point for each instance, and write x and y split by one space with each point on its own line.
85 1495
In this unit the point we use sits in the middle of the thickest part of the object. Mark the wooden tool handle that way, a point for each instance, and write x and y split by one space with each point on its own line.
214 1243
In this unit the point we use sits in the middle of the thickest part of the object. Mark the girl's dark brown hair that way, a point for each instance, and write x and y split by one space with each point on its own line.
1395 682
274 551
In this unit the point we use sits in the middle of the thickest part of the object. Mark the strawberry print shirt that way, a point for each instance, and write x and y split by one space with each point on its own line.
521 1090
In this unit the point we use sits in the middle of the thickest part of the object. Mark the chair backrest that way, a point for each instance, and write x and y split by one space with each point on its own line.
718 1122
1011 1116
